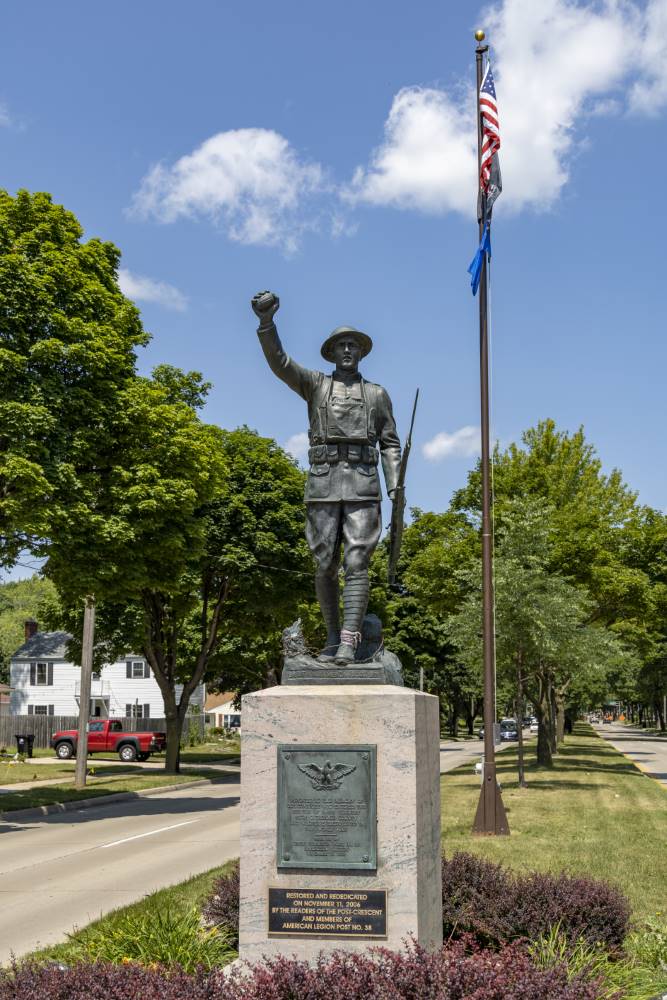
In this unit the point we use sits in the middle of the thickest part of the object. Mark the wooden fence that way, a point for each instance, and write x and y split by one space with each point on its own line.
42 726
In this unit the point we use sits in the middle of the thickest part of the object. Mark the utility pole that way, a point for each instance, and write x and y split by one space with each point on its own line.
84 691
490 817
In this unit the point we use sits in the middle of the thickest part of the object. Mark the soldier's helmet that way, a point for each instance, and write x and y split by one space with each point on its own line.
364 341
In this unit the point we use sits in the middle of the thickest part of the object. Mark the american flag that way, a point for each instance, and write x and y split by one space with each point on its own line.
488 110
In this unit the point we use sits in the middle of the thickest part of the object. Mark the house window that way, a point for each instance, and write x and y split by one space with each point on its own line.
41 709
138 711
136 668
41 674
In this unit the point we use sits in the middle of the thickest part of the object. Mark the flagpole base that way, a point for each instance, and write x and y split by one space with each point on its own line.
490 818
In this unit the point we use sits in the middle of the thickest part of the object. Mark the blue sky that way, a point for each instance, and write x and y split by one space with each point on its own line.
326 151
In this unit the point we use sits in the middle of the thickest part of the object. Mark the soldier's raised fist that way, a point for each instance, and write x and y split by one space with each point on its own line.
265 305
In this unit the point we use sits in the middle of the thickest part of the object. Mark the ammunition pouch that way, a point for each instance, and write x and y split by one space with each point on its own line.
353 453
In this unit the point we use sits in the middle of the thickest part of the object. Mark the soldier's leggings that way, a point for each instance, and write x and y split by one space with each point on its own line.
357 525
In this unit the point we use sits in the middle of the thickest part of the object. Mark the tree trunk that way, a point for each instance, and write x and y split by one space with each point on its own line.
560 717
544 755
454 721
518 712
552 718
470 716
172 764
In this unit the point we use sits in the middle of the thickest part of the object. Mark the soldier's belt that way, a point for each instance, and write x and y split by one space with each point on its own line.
333 453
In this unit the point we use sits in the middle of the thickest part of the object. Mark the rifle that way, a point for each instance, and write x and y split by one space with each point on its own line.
398 505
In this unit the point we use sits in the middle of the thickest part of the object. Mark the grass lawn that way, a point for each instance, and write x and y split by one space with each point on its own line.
593 813
11 773
173 900
102 783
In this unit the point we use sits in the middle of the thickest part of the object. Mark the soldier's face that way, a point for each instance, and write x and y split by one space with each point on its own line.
347 354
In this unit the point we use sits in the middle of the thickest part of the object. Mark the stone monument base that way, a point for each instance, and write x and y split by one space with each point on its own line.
360 742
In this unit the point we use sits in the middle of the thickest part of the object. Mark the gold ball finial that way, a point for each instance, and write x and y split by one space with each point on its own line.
479 35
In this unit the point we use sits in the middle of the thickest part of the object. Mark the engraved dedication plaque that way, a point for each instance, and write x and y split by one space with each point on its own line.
328 913
327 807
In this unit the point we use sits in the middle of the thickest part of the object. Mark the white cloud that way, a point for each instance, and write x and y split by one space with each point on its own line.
465 442
249 180
297 446
649 93
554 63
5 117
143 289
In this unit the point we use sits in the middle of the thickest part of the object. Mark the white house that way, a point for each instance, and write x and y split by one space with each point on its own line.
220 711
43 681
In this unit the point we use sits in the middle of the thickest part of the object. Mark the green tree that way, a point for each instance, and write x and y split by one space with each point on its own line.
19 601
545 642
67 347
133 533
216 521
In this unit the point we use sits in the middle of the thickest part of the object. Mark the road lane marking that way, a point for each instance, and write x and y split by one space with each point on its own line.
150 833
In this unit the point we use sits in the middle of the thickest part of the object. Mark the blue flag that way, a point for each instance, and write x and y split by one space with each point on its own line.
475 269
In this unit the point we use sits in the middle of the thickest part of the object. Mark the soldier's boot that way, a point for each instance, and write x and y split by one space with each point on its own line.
328 594
355 602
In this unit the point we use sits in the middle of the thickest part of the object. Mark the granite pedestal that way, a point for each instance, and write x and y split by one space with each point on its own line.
403 727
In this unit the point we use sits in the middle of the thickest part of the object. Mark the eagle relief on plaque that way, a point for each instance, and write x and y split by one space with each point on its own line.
327 807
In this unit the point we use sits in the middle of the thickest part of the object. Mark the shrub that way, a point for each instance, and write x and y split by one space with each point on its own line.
222 907
450 974
634 981
158 936
496 906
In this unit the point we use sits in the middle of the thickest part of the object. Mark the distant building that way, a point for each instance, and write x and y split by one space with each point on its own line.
220 711
43 681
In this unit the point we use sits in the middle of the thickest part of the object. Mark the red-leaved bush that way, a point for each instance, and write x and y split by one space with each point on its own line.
454 973
222 906
493 904
497 906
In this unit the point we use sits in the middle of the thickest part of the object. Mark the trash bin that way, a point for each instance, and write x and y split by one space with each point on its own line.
24 743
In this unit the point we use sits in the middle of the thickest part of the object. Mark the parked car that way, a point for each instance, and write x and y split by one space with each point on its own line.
534 726
508 731
108 736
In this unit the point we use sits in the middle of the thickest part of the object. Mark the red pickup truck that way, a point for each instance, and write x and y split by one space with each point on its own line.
107 736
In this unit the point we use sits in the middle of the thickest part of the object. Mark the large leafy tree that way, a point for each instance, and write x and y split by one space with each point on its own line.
546 644
216 520
133 534
67 347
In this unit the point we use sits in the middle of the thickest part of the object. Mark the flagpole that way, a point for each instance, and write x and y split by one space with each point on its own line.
490 817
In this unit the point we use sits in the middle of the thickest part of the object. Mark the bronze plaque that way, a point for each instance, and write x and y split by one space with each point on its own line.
327 807
341 913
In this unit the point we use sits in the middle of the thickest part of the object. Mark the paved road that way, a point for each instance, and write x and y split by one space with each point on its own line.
453 753
456 752
65 870
649 751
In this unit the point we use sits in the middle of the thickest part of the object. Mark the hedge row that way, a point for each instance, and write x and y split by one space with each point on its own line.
454 973
494 905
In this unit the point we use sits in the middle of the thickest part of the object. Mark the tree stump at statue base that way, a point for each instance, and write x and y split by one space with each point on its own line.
340 820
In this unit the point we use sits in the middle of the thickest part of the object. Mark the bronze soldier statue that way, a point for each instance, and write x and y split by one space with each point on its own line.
349 419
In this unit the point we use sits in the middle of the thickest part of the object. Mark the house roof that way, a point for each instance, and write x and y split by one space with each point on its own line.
44 645
216 700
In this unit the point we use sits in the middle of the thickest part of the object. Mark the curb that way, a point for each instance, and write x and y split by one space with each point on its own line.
37 812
